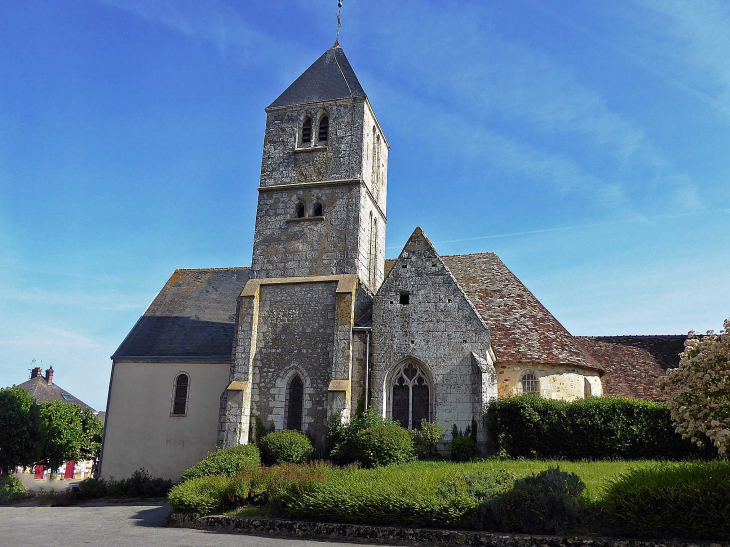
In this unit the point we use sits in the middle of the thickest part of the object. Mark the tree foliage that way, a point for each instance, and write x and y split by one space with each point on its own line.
68 433
19 437
699 389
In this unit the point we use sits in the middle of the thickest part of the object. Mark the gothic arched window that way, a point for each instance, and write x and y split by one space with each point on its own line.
324 128
410 396
529 383
299 210
317 210
180 395
294 403
307 131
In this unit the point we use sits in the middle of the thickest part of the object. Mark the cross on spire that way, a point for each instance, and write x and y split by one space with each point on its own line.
339 23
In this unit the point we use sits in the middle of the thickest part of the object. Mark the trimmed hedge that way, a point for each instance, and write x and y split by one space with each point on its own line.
226 462
341 436
383 444
689 499
285 446
406 495
529 426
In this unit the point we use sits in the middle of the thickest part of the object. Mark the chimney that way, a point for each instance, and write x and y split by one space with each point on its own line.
49 375
35 372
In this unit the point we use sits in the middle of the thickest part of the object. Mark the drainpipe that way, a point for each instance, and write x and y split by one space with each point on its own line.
367 359
367 366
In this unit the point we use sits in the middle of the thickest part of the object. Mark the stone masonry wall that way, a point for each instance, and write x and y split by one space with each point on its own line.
567 383
295 333
285 161
286 246
374 173
438 328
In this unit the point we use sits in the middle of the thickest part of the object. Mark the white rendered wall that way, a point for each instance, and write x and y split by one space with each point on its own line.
140 432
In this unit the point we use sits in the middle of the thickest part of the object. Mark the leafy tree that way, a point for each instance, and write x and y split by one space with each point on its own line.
699 390
68 433
19 439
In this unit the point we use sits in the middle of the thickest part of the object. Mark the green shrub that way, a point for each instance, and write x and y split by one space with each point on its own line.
383 444
285 446
426 439
202 496
226 462
139 485
689 499
463 449
92 488
10 487
546 503
341 436
529 426
408 495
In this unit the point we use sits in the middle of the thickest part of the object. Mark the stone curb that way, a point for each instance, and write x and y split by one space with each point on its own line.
405 536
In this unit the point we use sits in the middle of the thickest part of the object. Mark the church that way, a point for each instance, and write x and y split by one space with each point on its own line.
321 323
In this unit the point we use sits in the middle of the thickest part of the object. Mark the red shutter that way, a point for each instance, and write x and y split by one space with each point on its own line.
69 474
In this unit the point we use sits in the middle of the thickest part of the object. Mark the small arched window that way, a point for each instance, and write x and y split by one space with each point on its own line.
295 403
180 395
299 210
318 210
324 129
529 383
307 131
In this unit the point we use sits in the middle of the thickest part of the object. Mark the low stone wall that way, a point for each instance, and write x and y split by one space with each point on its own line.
395 535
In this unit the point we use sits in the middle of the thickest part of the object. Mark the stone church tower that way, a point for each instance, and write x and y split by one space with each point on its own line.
318 257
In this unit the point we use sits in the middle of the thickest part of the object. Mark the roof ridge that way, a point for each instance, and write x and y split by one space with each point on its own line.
474 254
212 269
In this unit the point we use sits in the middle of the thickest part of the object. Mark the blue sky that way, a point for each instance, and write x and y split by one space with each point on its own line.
588 144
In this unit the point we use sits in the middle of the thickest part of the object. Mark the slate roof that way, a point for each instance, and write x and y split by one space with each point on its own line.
39 389
330 77
522 329
192 317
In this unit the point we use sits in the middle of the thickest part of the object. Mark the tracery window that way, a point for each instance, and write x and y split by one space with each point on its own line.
307 131
180 395
410 396
529 383
295 403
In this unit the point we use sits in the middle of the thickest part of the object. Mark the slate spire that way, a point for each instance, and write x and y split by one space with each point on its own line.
329 78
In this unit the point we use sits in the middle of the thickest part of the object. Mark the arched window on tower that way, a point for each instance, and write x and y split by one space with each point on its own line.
318 210
375 156
529 383
324 129
295 403
371 253
307 131
299 210
410 396
180 395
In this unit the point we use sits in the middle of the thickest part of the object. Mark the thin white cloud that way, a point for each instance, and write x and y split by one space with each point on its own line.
92 301
46 337
697 35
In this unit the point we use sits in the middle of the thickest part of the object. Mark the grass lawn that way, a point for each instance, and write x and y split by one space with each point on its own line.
595 474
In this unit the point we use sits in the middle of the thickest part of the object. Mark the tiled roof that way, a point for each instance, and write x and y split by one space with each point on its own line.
330 77
39 389
631 370
522 328
193 316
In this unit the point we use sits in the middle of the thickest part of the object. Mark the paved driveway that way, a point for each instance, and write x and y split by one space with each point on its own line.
118 525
